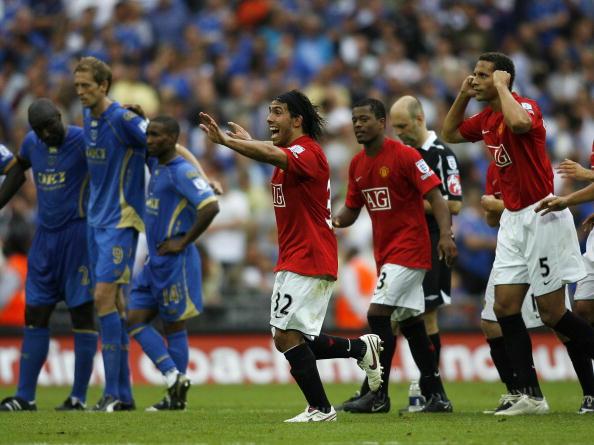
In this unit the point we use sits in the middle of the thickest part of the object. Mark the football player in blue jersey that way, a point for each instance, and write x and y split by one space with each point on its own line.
57 261
180 205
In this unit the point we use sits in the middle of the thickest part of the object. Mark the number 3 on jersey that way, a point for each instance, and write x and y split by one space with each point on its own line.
281 305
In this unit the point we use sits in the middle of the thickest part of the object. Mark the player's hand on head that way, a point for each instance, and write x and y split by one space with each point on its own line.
136 109
467 88
238 132
588 223
501 78
171 246
551 204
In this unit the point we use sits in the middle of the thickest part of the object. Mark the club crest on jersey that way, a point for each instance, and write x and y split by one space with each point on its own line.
454 186
384 171
94 134
500 155
278 198
296 150
377 198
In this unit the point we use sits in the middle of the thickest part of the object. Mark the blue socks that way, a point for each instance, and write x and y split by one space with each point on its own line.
177 346
125 383
153 345
111 338
33 354
85 347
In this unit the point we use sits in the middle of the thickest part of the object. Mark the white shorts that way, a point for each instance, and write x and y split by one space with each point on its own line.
299 302
542 251
402 288
530 312
585 288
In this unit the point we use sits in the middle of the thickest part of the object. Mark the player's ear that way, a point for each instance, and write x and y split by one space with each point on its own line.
297 121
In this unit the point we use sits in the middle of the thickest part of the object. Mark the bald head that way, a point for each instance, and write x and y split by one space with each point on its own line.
408 121
46 121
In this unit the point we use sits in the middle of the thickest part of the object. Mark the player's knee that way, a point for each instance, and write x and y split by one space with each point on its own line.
491 329
505 307
550 315
105 297
585 309
174 327
83 316
38 316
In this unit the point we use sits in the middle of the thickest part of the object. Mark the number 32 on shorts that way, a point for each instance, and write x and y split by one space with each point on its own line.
281 305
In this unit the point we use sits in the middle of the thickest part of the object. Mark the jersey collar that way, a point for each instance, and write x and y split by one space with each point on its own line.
430 140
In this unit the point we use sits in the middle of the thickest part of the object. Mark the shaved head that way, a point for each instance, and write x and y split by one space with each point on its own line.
408 104
41 111
408 121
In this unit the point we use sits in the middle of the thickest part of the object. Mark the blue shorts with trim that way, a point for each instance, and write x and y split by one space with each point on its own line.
58 267
171 285
111 254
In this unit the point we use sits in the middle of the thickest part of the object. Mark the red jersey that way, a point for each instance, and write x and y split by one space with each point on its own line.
492 185
524 168
301 199
592 157
391 185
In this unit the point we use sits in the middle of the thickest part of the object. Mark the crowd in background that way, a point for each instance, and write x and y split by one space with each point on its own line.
230 58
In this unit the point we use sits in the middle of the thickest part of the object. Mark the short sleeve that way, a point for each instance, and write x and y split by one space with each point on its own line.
193 187
26 147
134 128
6 159
302 160
418 171
471 128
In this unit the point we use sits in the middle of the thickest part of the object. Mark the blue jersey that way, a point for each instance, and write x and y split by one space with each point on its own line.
116 149
61 177
7 159
176 193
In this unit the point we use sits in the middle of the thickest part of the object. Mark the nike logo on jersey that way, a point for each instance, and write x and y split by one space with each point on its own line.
485 131
358 179
546 283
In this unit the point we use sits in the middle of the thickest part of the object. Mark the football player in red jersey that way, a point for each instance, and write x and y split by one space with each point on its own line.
307 262
391 180
535 249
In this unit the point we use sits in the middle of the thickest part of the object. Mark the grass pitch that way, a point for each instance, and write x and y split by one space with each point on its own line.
253 414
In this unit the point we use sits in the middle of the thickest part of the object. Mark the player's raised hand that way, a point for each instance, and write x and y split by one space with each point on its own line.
238 132
171 246
216 186
212 129
571 169
467 89
551 204
501 78
135 108
588 223
447 249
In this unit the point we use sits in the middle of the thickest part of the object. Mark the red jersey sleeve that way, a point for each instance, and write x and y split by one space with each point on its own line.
471 128
533 111
354 198
302 160
418 171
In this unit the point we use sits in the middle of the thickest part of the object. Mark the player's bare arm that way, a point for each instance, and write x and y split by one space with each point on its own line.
345 217
558 203
15 177
515 116
203 220
258 150
493 208
588 224
455 116
573 170
453 206
446 246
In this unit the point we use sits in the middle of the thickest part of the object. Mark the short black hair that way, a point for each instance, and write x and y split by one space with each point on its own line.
376 106
170 124
299 104
500 62
41 111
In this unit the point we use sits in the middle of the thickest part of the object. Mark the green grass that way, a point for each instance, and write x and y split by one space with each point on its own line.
254 414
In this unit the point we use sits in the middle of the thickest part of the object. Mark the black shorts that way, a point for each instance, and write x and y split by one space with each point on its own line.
438 281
